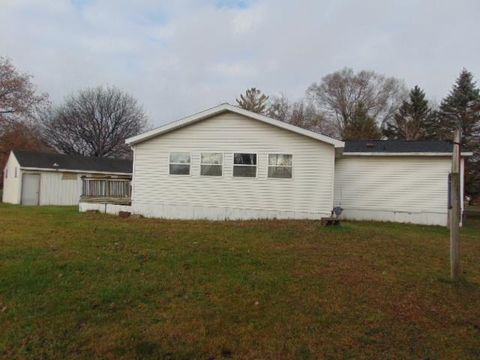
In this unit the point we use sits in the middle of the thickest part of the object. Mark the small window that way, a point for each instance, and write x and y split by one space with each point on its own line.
179 163
16 171
69 176
244 165
211 164
280 166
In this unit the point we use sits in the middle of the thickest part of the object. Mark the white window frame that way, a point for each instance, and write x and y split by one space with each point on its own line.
269 166
189 164
221 165
256 165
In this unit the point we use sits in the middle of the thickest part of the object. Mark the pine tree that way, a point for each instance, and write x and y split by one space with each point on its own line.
411 119
462 108
253 100
433 126
362 126
458 108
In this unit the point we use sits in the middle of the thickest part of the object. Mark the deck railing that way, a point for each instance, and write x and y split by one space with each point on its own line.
106 188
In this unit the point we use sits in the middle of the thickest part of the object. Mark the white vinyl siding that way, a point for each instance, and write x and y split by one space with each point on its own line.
308 195
404 188
57 188
12 182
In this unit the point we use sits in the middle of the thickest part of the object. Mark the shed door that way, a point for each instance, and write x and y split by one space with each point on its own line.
30 189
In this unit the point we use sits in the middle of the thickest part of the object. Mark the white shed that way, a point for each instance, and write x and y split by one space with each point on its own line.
228 163
32 178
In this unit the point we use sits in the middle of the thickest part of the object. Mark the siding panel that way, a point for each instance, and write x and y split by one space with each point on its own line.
56 191
391 188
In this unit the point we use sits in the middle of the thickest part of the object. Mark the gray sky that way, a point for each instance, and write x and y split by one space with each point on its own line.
179 57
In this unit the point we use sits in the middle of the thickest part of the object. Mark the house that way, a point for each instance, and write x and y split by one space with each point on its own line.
32 178
229 163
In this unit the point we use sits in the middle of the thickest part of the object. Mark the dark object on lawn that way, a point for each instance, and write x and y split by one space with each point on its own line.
124 214
334 217
337 211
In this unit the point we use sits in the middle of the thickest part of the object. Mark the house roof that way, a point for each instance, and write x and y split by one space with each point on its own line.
230 108
38 160
399 147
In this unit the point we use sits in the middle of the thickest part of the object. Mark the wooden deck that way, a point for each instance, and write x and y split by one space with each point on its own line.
106 200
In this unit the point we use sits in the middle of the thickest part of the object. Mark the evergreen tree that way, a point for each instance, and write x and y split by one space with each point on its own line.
253 100
411 119
458 108
462 108
433 126
362 126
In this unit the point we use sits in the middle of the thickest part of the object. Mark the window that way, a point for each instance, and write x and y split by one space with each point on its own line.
16 171
211 164
280 166
244 165
179 163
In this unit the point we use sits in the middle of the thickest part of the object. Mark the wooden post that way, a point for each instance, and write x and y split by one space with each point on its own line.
455 210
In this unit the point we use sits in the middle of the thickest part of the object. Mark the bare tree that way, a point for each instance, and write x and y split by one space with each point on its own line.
19 105
279 108
339 95
305 115
95 122
19 99
301 113
253 100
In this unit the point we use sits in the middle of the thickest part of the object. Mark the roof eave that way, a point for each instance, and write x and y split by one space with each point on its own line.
465 154
30 168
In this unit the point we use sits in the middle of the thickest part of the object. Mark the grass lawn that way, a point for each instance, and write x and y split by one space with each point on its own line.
96 286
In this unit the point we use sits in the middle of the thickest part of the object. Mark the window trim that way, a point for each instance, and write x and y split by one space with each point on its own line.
293 165
190 163
222 164
256 165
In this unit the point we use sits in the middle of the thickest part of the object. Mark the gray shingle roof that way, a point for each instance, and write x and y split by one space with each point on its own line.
397 146
72 162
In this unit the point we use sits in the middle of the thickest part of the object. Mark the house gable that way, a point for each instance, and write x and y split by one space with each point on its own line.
224 108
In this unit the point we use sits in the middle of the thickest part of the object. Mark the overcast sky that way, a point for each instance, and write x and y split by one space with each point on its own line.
179 56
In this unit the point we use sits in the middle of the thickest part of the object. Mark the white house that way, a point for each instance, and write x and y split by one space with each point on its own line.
229 163
32 178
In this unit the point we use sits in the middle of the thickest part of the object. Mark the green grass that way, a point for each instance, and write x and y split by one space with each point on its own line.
97 286
473 211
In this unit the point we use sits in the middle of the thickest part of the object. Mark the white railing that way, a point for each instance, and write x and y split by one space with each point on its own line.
106 188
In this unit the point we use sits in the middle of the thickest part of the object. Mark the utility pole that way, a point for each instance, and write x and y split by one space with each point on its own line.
455 210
